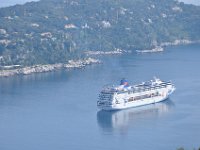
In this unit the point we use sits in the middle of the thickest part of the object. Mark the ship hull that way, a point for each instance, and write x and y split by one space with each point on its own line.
132 104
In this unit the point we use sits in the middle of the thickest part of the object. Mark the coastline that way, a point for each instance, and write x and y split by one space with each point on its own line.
116 51
179 42
161 46
71 64
79 63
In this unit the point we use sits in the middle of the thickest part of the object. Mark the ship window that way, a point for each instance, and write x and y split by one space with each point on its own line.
130 99
143 97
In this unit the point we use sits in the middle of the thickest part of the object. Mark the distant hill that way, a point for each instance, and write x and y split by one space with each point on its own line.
53 31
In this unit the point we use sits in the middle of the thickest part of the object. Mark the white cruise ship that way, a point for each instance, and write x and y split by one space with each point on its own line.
126 96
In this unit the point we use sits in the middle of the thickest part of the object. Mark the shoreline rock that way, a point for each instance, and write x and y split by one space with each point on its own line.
159 48
72 64
6 71
114 52
154 50
179 42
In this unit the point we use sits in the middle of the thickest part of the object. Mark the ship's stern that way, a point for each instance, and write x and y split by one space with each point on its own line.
105 101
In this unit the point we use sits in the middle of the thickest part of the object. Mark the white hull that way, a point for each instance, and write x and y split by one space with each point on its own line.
133 104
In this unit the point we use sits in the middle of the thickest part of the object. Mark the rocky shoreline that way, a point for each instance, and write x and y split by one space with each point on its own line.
160 47
179 42
6 71
114 52
71 64
154 50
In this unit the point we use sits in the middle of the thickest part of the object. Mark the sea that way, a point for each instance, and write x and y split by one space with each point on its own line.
58 110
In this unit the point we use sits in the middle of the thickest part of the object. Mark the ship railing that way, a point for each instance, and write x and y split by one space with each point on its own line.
102 97
153 84
143 88
104 103
108 89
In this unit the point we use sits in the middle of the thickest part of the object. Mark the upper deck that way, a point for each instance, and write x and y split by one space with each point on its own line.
146 86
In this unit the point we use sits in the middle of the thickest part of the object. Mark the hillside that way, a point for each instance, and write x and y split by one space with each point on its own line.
54 31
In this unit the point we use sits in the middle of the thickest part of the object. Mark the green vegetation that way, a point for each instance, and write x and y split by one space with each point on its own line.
53 31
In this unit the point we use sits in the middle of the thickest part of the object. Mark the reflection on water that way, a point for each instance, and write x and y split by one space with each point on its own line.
120 120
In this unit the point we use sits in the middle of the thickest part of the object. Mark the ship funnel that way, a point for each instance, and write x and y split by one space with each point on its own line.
124 82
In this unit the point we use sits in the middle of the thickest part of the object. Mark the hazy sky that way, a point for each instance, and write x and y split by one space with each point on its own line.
4 3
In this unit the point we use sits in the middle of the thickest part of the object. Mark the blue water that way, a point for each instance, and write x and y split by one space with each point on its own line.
57 111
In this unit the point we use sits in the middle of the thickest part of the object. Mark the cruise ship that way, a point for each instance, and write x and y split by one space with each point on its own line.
126 96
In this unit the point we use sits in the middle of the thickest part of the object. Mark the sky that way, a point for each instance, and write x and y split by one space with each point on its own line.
5 3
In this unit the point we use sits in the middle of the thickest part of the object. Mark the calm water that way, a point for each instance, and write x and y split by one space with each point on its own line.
57 111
